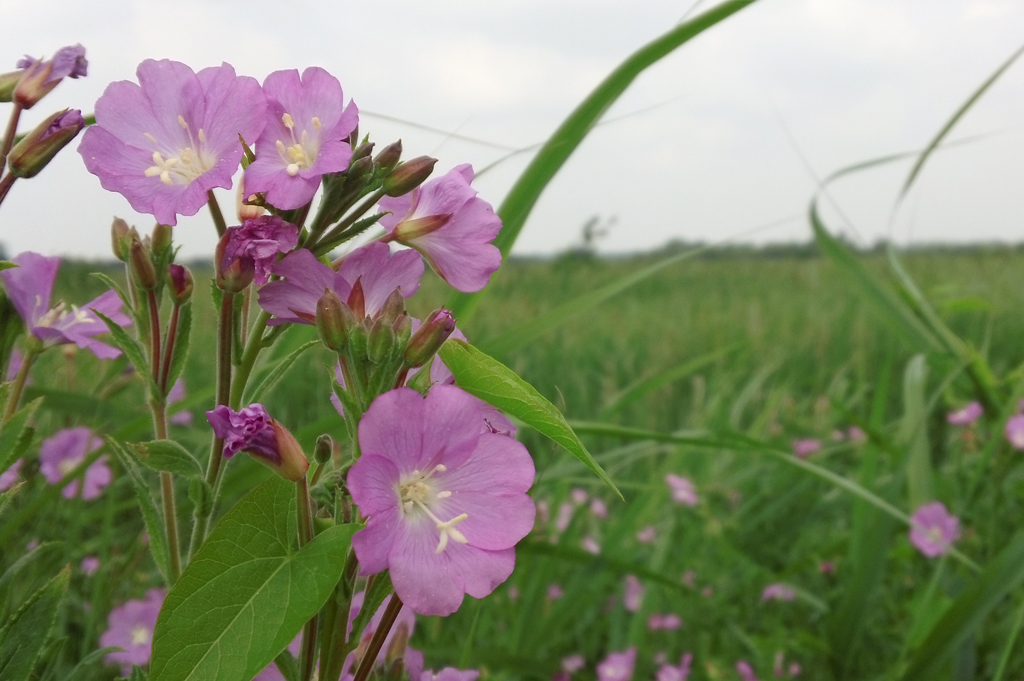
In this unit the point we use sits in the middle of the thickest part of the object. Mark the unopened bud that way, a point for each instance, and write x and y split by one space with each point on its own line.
389 156
39 76
120 239
425 343
181 283
409 175
141 265
8 81
362 151
334 320
31 154
393 308
232 276
324 449
359 169
399 642
293 464
381 341
403 329
163 236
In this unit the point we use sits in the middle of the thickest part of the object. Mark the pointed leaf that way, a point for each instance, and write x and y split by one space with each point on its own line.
130 347
150 514
181 344
167 455
277 372
16 434
24 635
914 433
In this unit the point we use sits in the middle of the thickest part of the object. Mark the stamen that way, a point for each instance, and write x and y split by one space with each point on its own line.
316 123
150 138
440 468
202 136
182 123
444 495
293 169
287 120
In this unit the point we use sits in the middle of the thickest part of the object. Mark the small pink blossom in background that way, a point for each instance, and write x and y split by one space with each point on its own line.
446 674
10 476
634 593
681 673
966 415
1015 431
579 496
856 434
590 545
130 627
573 663
707 592
795 669
564 517
682 489
933 529
513 594
660 658
555 592
803 448
838 435
62 453
778 592
826 567
90 564
543 512
647 535
177 394
617 666
746 671
690 578
271 673
669 622
598 508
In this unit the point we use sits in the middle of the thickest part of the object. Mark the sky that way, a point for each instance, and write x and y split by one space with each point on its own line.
721 141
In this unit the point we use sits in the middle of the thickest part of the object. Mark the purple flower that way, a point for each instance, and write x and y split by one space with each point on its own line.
554 592
933 529
177 394
617 666
682 489
447 674
670 622
30 285
64 452
163 144
681 673
689 578
590 545
445 221
39 76
579 496
446 503
564 517
573 663
746 671
406 618
634 593
10 476
778 592
253 247
1015 431
377 271
305 136
647 535
252 430
130 627
90 564
599 509
966 415
856 434
803 448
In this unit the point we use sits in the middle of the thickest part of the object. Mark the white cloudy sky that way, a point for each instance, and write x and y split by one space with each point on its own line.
850 80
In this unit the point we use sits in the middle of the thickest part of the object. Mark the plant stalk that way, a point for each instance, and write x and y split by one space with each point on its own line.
304 516
377 642
9 135
14 399
216 214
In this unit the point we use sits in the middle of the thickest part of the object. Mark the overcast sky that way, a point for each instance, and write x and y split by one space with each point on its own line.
849 80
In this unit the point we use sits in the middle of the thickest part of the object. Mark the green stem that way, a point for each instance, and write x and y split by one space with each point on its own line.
215 212
347 222
167 495
14 399
1004 659
372 650
9 135
172 336
154 332
304 517
5 185
249 356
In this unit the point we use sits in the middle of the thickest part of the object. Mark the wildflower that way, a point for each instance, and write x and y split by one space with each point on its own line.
579 496
933 529
707 592
634 593
670 622
305 136
647 535
554 592
680 673
90 564
446 503
795 669
30 285
564 517
163 144
827 567
250 251
778 592
453 229
966 415
38 147
130 627
856 434
377 271
10 476
746 671
573 663
447 674
64 452
689 578
617 666
1015 431
805 447
39 76
598 509
590 545
398 636
252 430
513 594
177 394
682 489
838 435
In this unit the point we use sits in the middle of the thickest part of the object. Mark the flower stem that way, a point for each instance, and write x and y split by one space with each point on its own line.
154 332
347 222
372 650
5 185
19 385
172 336
167 494
249 356
9 135
215 212
304 516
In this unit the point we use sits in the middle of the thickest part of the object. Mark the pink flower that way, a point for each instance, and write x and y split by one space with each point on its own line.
90 564
598 508
555 592
647 535
177 394
252 430
670 622
682 489
579 496
838 435
447 674
689 578
305 136
10 476
966 415
163 144
446 503
617 666
826 567
778 592
253 248
933 529
856 434
805 447
40 76
680 673
634 593
65 451
746 671
1015 431
573 663
564 517
445 221
130 627
590 545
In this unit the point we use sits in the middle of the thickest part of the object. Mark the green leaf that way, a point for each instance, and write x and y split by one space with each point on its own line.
81 670
247 592
914 433
962 619
151 516
490 380
181 344
11 575
6 265
525 193
24 635
132 349
16 434
277 372
82 405
7 497
167 455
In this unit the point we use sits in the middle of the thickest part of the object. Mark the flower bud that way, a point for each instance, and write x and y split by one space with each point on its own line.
324 449
399 642
409 175
163 237
141 265
39 76
252 430
181 283
393 308
232 276
334 320
362 151
120 239
403 329
381 342
425 343
359 169
31 154
293 464
389 156
8 81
